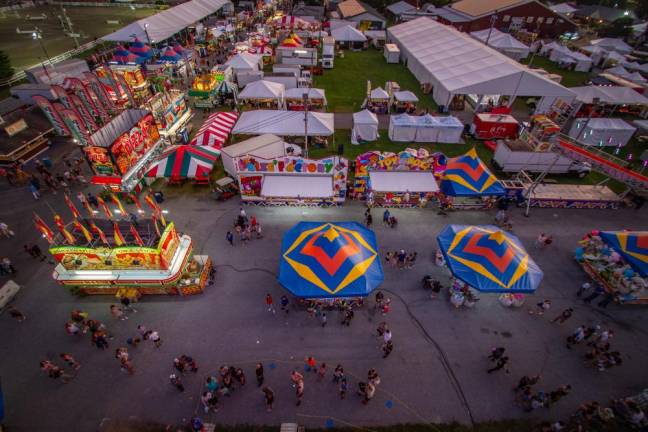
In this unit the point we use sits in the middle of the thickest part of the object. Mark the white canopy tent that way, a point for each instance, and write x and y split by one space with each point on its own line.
264 90
427 128
161 26
337 23
378 94
298 93
348 33
619 71
602 131
266 146
284 123
405 96
245 61
365 127
502 42
285 186
612 44
546 48
402 181
456 64
611 95
562 54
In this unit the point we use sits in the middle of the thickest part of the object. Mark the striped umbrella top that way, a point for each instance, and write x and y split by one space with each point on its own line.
215 129
184 161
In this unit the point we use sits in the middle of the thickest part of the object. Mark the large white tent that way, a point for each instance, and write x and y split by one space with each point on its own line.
611 95
245 61
602 131
456 64
284 123
562 54
348 34
365 127
427 128
502 42
163 25
263 90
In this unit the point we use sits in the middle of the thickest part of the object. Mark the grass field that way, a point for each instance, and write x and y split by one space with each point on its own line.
90 22
346 83
570 78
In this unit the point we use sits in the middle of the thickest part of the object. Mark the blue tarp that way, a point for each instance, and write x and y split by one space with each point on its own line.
321 259
488 259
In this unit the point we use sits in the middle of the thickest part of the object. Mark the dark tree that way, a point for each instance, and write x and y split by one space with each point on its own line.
5 66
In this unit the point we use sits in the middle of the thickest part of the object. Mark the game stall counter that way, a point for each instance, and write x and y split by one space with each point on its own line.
203 90
133 76
490 126
171 114
618 262
120 152
294 99
292 181
114 86
406 179
377 101
404 102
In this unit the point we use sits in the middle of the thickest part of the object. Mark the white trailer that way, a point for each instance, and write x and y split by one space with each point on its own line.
516 156
328 52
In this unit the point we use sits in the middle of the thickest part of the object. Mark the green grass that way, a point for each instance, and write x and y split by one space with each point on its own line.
346 83
90 22
570 78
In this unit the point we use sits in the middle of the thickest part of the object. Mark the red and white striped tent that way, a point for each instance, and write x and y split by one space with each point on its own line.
215 130
290 22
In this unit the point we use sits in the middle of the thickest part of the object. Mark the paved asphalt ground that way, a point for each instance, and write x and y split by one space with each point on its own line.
435 374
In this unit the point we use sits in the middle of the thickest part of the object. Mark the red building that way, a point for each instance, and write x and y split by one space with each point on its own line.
505 15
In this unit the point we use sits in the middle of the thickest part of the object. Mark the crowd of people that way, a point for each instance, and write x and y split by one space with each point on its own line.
244 228
401 259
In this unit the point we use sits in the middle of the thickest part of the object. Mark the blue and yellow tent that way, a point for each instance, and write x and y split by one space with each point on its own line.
467 175
320 259
489 259
631 245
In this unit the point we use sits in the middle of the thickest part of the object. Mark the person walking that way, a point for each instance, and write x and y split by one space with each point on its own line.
270 303
5 231
117 313
284 303
154 337
541 308
501 363
368 220
70 360
258 371
585 287
527 382
386 216
387 348
348 316
16 314
559 393
338 373
387 335
343 388
268 397
176 382
369 393
321 371
323 319
311 364
496 353
230 238
598 290
299 391
564 316
576 337
126 303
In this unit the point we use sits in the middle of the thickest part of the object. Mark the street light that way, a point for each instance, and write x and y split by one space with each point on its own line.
148 38
37 34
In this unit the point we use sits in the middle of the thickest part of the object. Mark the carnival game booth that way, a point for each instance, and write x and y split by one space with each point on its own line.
470 184
134 79
266 146
489 260
215 131
171 114
404 102
120 152
618 262
263 94
602 132
292 180
319 126
349 37
426 128
181 162
490 126
307 271
365 127
109 262
245 63
203 91
377 101
406 179
316 99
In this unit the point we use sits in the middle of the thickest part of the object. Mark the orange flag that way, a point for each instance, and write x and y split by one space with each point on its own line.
73 209
89 208
119 238
151 202
79 227
100 233
104 207
45 229
118 203
136 235
136 201
66 234
155 224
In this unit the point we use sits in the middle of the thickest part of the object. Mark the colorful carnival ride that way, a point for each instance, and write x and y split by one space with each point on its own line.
121 253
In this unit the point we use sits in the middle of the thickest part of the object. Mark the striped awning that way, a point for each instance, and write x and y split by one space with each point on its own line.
215 130
185 161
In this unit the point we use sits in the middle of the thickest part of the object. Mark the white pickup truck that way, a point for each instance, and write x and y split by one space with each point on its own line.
516 156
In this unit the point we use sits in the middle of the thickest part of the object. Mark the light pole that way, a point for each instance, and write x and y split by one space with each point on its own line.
37 34
148 38
493 20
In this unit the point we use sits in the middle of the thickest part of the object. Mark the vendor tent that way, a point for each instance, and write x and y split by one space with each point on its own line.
562 54
453 63
310 187
612 44
298 93
288 22
170 55
427 128
612 95
139 48
467 175
632 245
264 90
266 146
619 71
546 48
284 123
502 42
402 181
161 26
489 259
227 88
365 127
320 260
184 161
405 96
245 61
215 130
378 94
602 131
348 33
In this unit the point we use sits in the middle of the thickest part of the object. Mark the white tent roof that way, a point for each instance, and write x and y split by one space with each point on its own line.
400 7
284 123
499 40
263 90
643 124
608 124
615 55
348 34
365 117
563 8
245 60
405 96
298 93
165 24
461 65
572 54
593 49
619 71
250 145
636 77
609 95
403 181
612 44
378 93
304 186
336 23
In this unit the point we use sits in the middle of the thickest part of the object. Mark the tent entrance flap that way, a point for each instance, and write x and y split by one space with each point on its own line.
403 181
291 186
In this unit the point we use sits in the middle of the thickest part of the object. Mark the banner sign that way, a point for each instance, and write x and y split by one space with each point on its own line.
52 115
100 161
129 147
76 126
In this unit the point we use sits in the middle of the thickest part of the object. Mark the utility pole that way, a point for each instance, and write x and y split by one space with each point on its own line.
493 20
70 28
305 102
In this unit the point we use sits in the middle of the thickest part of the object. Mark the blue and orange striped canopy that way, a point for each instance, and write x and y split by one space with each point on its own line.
632 245
467 175
327 260
489 259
